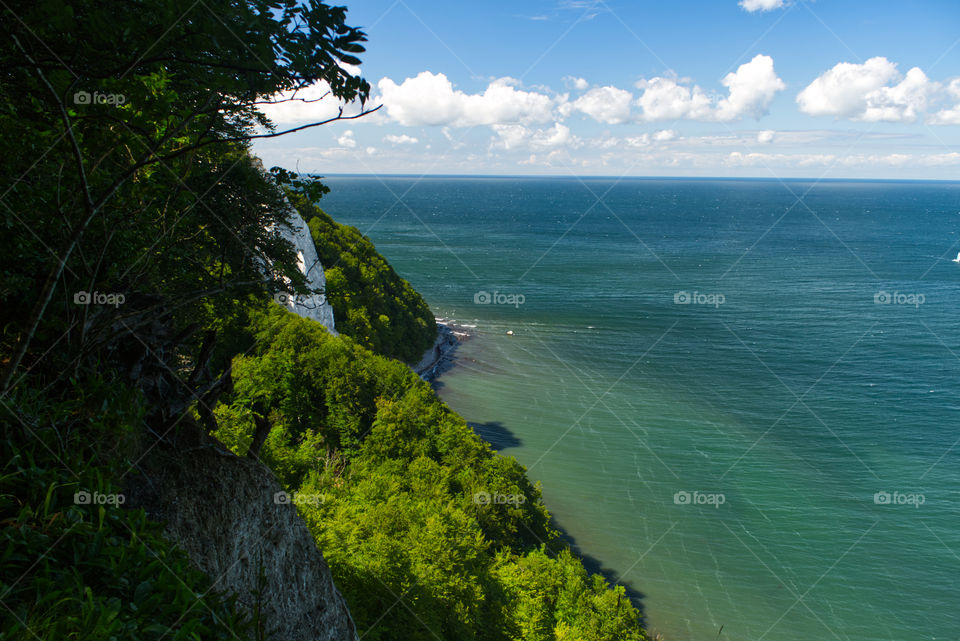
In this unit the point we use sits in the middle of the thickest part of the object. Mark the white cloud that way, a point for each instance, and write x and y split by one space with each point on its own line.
346 140
873 91
371 151
430 99
311 104
604 104
765 136
577 83
513 137
761 5
893 160
644 140
402 139
950 115
751 88
666 99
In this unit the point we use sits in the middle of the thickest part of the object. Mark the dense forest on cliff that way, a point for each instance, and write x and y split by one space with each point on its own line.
138 264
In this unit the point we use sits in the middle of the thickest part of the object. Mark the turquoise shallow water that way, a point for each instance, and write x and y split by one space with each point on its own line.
786 408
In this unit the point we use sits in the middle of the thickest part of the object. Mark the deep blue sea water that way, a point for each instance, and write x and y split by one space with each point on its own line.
728 457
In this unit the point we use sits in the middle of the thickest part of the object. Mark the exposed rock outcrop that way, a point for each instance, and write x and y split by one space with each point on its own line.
223 511
315 306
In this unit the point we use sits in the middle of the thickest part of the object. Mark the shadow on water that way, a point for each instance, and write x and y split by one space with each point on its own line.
595 566
494 433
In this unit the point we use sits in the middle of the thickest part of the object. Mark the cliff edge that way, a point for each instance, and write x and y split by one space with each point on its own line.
231 517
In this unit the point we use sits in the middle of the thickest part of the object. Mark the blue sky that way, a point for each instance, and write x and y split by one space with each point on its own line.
785 88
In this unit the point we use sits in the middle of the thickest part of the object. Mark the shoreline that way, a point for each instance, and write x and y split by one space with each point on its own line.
440 357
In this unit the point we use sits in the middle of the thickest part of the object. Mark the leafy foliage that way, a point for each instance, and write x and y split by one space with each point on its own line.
395 507
91 571
371 303
128 173
126 127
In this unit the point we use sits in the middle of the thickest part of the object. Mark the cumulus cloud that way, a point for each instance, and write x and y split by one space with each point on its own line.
949 115
643 140
430 99
873 91
608 105
346 140
311 104
765 136
402 139
577 83
513 137
750 89
761 5
667 99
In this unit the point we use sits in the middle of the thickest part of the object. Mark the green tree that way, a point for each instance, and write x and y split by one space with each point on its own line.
371 303
127 126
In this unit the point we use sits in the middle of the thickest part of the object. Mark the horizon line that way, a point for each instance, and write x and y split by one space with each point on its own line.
612 177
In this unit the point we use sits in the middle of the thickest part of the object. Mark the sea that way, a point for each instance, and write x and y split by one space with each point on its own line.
741 397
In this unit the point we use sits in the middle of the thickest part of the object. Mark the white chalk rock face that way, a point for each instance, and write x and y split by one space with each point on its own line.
315 307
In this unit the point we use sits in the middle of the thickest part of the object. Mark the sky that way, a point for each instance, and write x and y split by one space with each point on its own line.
726 88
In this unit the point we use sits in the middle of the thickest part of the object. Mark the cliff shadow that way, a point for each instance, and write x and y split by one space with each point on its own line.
494 433
596 566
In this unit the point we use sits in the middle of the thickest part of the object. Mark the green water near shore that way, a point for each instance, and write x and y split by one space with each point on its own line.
797 399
